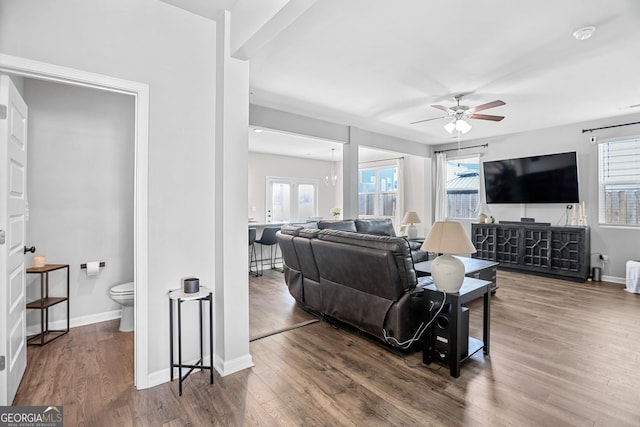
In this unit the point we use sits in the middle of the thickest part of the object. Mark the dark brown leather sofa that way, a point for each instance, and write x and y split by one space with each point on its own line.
365 280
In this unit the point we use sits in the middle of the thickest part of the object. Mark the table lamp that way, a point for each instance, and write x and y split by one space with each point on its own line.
482 211
448 238
411 218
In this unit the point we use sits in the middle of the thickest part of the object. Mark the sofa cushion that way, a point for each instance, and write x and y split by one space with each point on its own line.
380 227
291 230
309 233
344 225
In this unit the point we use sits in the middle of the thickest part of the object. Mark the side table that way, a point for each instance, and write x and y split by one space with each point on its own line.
45 301
178 297
452 321
473 267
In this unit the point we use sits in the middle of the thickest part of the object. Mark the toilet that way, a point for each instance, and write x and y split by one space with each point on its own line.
123 295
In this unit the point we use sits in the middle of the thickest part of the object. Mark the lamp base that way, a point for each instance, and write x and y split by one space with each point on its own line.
448 273
412 231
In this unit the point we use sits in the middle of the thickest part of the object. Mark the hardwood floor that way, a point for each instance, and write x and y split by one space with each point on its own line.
562 354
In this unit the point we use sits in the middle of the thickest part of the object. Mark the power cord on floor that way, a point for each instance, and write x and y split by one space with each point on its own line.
421 329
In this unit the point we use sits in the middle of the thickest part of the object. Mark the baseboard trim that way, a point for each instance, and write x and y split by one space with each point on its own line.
74 322
613 279
232 366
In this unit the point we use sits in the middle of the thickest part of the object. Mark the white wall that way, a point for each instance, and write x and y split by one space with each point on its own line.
80 190
173 51
262 165
621 244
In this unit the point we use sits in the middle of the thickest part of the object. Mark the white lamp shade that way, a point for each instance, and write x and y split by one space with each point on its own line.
463 126
483 208
411 218
448 237
450 127
448 273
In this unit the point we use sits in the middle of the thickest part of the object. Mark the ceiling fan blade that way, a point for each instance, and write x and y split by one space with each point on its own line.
486 117
443 108
427 120
486 106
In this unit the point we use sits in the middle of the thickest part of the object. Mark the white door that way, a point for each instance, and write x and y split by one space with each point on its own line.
291 199
13 185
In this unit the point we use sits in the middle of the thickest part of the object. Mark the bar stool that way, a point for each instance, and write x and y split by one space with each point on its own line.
268 238
253 258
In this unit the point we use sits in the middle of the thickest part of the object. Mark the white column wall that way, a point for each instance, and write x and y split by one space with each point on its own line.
231 182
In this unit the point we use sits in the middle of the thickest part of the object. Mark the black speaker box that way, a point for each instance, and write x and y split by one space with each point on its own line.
442 333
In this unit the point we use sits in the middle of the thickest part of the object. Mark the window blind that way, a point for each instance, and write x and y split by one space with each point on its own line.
619 182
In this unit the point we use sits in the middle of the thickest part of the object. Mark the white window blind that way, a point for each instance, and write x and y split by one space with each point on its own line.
619 182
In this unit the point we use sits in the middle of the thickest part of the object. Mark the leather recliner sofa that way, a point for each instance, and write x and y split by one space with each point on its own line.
365 280
378 227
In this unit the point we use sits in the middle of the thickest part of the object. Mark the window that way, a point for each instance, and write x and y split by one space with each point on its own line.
619 182
291 199
463 182
377 191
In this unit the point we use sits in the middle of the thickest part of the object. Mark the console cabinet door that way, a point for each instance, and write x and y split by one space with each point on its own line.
536 248
567 247
508 245
484 240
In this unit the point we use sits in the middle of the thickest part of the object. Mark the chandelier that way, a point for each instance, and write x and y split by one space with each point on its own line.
332 178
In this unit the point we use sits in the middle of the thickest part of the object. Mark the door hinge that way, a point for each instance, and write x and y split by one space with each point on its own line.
2 237
3 112
1 363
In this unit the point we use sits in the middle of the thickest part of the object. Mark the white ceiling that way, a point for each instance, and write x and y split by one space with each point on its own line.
379 65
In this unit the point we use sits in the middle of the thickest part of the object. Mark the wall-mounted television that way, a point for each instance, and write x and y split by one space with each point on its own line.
550 178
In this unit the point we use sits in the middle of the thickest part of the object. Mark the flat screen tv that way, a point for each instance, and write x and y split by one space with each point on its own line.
551 178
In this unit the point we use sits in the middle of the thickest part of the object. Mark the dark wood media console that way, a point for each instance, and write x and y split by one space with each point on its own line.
563 252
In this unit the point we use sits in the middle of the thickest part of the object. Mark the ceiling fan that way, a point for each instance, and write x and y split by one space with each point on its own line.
458 113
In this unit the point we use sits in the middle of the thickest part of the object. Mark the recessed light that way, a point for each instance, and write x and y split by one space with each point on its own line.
584 33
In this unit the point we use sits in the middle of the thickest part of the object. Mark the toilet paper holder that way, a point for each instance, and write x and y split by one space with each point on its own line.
102 264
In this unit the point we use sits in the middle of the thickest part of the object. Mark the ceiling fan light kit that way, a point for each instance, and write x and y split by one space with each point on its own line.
459 113
458 124
450 127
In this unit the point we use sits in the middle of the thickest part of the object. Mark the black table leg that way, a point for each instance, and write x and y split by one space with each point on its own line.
180 347
211 337
455 329
171 337
485 320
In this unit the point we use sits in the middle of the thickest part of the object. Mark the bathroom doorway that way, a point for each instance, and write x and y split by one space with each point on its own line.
140 92
80 190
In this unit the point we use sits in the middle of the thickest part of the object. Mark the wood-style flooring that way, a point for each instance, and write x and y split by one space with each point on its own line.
562 354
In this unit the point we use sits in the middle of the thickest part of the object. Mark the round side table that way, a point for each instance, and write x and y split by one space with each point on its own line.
177 297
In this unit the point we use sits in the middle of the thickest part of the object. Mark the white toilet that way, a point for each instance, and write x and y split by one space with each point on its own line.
123 295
